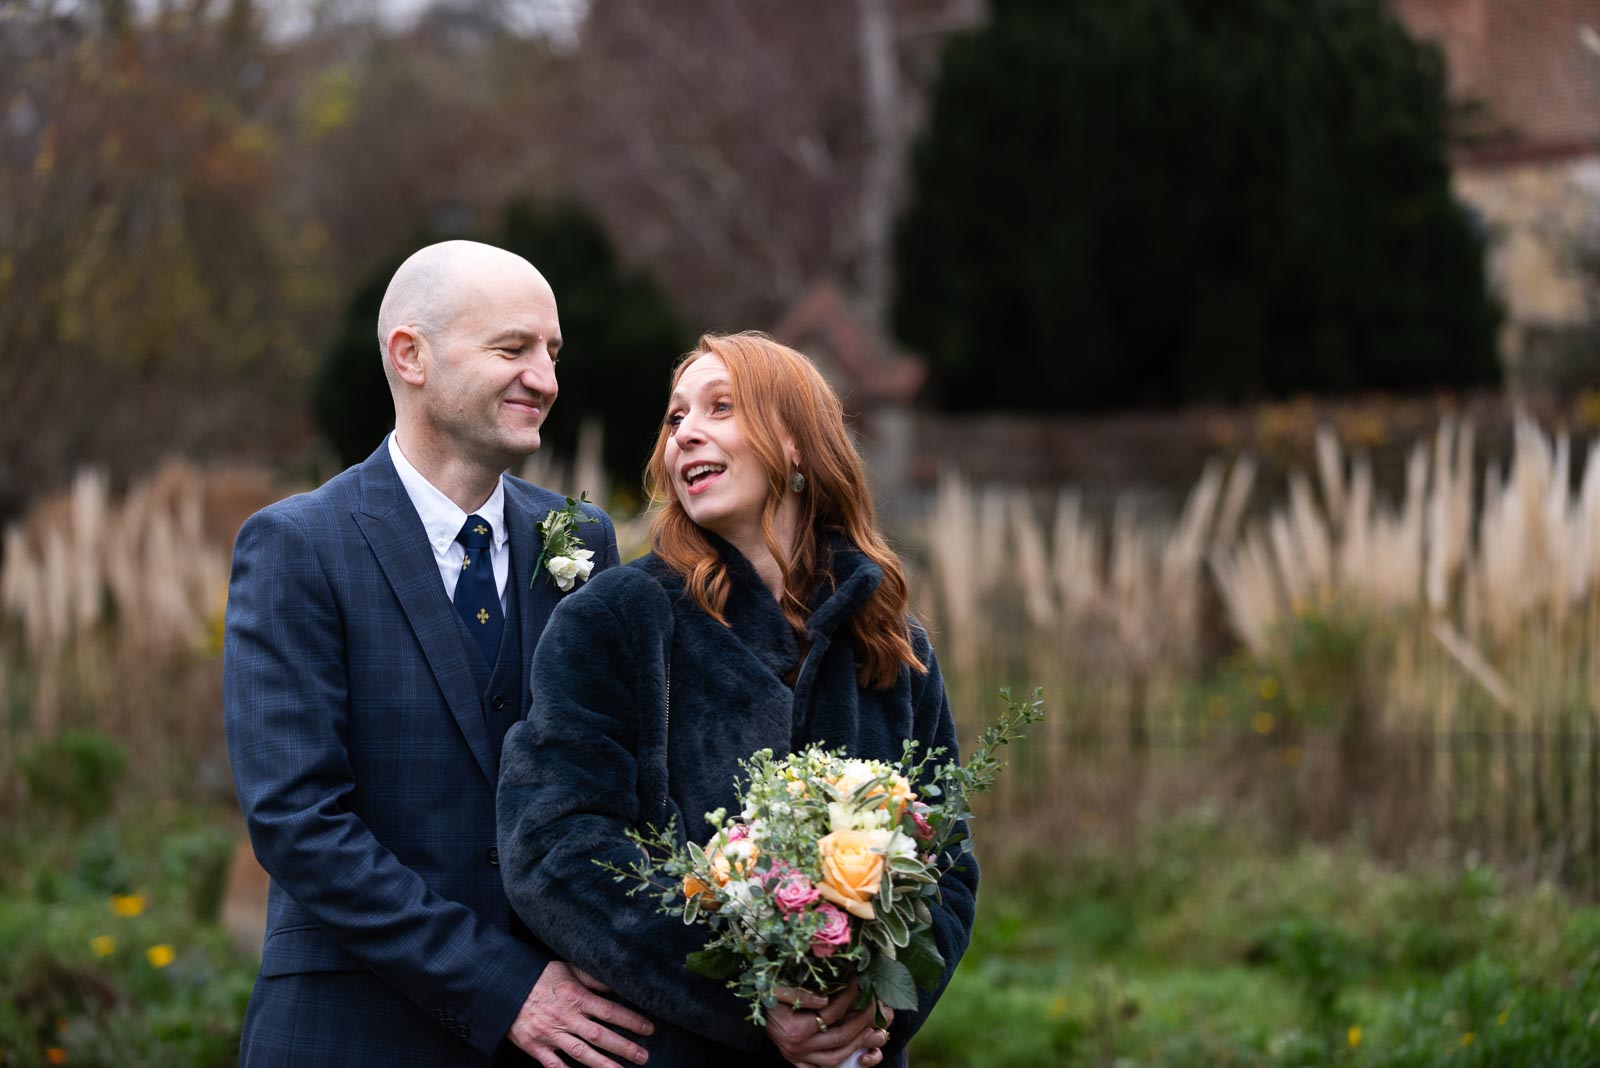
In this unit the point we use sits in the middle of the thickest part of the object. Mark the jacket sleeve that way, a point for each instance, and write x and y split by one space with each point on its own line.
286 707
571 779
958 890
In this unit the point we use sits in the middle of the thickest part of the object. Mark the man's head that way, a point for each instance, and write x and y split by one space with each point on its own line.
470 339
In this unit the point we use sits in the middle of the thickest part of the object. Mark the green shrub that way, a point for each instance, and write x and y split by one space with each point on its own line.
1147 201
74 774
109 949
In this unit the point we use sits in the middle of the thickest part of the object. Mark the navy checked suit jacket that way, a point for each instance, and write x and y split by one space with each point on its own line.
366 769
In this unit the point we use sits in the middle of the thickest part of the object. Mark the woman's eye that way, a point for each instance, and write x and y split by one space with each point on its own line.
722 406
673 419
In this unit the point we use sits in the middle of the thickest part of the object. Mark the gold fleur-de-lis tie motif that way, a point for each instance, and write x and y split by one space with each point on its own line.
483 615
466 562
480 529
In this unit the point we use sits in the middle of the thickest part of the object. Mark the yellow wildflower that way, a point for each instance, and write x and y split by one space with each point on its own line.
1268 688
127 904
1058 1006
1466 1039
159 956
1263 722
1294 756
1503 1017
103 945
1353 1036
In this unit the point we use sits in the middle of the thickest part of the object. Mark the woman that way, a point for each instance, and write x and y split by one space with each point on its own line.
770 615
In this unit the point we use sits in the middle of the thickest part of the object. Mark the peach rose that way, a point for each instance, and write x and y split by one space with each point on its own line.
851 872
735 861
900 797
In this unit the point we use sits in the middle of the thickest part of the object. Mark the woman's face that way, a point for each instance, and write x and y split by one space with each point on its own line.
720 481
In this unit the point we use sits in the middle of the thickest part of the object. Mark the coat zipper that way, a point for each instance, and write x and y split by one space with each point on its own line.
666 729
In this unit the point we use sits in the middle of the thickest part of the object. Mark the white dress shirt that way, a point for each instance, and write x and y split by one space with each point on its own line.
443 520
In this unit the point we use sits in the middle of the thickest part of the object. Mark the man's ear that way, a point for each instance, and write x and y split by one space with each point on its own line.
407 353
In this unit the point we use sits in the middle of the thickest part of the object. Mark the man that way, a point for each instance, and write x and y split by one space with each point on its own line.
370 674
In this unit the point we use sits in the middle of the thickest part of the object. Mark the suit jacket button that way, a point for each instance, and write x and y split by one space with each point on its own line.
499 703
493 856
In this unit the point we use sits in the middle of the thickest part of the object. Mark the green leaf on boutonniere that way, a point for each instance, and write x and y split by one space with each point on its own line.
564 558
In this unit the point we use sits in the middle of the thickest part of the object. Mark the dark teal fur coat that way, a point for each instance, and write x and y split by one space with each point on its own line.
596 756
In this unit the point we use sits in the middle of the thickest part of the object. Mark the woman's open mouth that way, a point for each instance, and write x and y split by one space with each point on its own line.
698 477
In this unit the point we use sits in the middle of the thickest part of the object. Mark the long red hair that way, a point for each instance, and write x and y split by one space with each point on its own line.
778 391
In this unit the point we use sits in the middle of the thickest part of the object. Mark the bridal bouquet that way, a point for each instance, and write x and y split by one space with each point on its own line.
828 869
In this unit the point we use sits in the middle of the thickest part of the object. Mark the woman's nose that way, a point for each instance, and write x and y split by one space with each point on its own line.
689 432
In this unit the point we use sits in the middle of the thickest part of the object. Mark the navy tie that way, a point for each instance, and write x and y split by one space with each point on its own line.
477 597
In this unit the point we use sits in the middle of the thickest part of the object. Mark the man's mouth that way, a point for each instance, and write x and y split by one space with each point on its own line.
696 477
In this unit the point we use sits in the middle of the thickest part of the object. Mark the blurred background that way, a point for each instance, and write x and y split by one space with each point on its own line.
1229 368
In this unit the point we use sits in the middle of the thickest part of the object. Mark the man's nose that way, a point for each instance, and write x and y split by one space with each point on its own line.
540 373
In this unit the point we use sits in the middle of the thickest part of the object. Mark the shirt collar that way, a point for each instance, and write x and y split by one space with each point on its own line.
441 517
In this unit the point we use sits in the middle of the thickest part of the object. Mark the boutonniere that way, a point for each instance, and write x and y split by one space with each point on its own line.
564 556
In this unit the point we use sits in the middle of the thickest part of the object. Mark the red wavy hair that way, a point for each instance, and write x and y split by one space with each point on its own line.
778 391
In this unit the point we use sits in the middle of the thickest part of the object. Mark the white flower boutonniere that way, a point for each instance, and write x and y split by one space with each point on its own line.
564 556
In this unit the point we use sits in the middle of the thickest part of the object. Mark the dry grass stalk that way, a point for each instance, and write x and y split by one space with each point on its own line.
102 599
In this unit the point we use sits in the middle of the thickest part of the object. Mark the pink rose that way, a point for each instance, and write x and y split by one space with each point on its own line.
835 932
738 832
795 892
924 829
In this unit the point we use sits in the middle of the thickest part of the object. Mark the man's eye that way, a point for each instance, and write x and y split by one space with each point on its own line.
555 358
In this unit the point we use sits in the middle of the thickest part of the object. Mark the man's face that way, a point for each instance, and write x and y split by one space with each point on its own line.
492 372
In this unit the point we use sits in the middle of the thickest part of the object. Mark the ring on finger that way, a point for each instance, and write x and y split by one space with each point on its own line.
822 1025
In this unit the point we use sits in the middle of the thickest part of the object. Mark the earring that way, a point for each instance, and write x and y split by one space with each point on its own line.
797 481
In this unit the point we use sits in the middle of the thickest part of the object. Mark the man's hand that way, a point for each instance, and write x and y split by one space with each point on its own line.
564 1013
812 1031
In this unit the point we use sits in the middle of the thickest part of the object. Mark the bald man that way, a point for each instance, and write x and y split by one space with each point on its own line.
379 631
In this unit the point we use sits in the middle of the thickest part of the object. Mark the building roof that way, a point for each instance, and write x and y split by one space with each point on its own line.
864 366
1532 65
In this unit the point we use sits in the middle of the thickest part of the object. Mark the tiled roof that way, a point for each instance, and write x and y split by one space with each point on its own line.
1533 66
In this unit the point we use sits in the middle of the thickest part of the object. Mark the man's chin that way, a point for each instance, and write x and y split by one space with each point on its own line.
512 449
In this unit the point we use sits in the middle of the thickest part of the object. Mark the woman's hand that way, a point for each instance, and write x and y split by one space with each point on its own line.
812 1031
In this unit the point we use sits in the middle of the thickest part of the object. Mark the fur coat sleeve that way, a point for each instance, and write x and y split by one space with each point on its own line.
935 727
574 777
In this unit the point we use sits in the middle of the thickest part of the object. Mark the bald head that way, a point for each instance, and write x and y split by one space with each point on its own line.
437 283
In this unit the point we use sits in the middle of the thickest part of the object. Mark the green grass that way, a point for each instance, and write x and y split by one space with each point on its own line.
1198 947
110 950
1190 945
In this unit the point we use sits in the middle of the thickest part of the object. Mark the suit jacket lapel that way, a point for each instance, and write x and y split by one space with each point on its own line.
536 592
394 530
